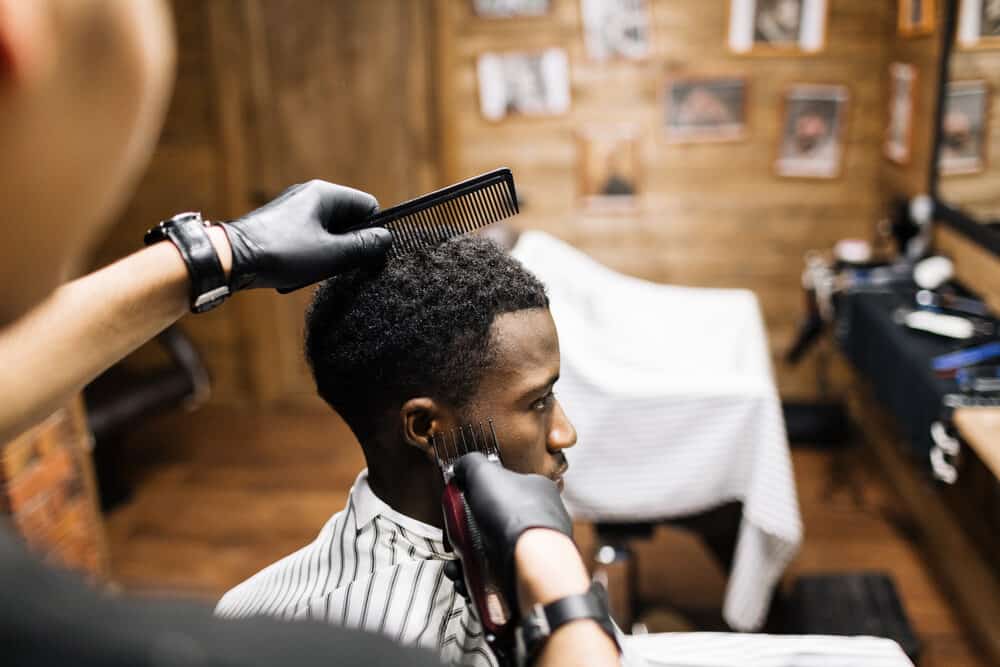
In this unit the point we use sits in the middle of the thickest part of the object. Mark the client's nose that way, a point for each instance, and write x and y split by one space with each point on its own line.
561 433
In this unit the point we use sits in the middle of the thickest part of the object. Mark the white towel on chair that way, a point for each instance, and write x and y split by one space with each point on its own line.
672 394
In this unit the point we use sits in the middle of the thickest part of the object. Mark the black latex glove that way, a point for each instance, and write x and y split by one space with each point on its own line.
506 503
294 240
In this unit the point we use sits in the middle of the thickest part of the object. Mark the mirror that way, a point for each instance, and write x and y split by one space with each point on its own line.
967 168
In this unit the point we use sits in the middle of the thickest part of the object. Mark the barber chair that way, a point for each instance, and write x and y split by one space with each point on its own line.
616 564
121 398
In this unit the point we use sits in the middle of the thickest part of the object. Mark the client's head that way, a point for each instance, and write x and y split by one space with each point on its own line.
442 337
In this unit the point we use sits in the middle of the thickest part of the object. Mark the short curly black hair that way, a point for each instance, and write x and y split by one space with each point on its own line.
416 326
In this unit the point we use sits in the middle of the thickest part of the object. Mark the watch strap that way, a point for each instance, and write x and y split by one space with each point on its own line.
544 620
189 234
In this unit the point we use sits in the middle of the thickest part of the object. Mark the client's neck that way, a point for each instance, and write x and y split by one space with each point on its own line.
409 484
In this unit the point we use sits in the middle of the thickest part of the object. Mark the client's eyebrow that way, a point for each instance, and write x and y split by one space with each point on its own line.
538 389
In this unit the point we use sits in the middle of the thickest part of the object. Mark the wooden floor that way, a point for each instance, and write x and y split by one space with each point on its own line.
220 494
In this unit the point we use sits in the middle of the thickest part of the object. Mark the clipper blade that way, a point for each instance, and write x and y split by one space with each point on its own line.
478 437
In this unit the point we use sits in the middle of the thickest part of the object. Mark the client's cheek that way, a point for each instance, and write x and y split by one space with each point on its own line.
517 464
518 458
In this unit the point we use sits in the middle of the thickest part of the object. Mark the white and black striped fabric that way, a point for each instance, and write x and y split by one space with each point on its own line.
370 568
374 568
674 402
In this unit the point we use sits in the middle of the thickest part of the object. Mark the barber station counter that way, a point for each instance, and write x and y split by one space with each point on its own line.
908 419
980 429
896 361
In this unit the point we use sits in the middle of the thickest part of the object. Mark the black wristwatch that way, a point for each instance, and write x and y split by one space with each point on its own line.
189 233
537 626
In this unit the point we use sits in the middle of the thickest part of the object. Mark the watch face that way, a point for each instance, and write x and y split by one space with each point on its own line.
208 286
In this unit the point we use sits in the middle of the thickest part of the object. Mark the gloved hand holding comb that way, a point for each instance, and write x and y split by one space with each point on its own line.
303 236
297 239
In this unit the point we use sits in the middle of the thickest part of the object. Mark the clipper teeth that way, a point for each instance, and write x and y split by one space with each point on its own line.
465 439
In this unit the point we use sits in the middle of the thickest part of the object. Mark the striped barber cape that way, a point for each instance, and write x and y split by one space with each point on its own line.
374 569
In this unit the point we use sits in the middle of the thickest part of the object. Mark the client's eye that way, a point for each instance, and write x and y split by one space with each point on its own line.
545 402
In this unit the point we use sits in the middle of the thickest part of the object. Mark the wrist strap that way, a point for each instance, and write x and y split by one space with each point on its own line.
188 232
539 625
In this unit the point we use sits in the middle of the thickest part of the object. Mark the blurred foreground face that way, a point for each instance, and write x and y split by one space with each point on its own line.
83 90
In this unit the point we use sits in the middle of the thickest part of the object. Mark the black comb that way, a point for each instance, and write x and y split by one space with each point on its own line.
434 218
463 440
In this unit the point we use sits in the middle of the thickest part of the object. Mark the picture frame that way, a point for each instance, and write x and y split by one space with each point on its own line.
813 128
979 24
965 128
701 109
610 167
770 27
916 18
505 9
523 83
902 99
616 29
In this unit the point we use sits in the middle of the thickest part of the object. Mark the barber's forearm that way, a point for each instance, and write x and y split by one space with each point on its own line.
549 568
87 325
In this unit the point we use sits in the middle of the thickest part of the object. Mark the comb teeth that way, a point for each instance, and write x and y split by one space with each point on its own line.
448 447
457 209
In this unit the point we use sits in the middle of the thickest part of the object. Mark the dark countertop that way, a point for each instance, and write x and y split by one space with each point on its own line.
896 361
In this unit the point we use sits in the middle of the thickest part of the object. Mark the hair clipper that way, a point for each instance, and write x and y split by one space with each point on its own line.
483 583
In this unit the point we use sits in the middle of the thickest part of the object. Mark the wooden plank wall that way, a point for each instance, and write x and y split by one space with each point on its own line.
383 96
186 173
713 214
271 93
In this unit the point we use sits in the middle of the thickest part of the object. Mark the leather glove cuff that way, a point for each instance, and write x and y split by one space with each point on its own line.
240 277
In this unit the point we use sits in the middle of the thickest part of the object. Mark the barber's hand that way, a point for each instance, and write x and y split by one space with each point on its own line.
295 240
505 504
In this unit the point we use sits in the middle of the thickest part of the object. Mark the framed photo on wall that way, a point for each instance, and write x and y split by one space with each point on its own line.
705 109
964 128
502 9
523 83
767 26
609 167
916 17
812 131
902 97
616 29
979 24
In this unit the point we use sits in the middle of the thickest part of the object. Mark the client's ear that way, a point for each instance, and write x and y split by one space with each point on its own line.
419 418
